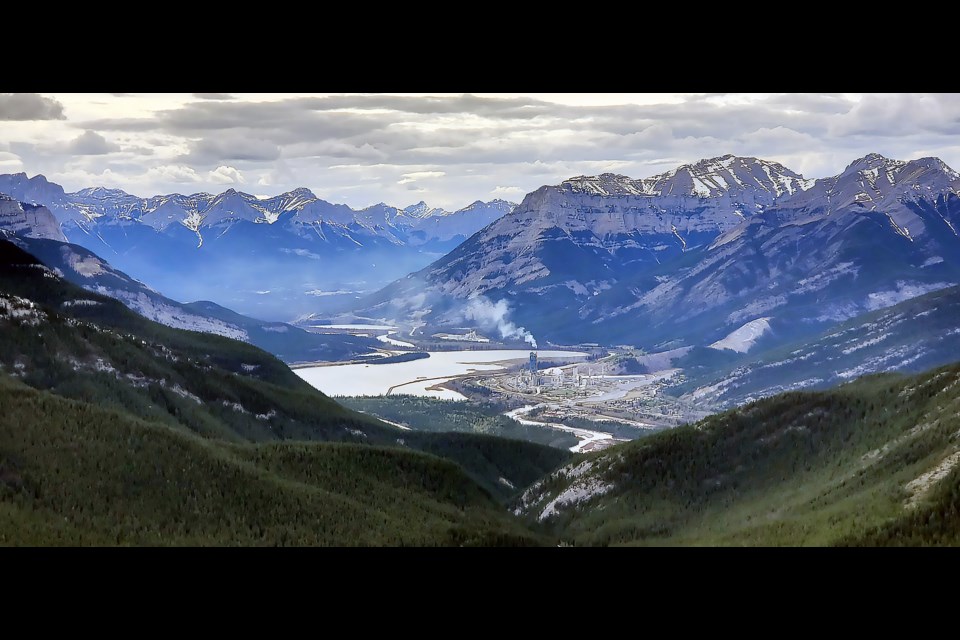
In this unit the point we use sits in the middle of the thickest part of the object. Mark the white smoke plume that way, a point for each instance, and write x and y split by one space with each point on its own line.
494 315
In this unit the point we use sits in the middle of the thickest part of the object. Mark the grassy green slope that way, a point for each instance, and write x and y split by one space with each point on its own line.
75 473
865 463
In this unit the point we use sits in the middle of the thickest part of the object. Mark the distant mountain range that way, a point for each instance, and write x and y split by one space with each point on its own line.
736 253
273 257
35 230
689 257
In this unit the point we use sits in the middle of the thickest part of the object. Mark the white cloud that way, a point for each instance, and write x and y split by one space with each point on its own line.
10 162
226 175
500 192
173 173
29 106
450 150
413 176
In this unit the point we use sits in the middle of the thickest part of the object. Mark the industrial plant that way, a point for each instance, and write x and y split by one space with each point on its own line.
531 379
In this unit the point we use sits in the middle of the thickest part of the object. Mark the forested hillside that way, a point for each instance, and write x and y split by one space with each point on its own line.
72 473
871 462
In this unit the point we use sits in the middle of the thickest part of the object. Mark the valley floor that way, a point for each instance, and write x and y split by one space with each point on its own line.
585 399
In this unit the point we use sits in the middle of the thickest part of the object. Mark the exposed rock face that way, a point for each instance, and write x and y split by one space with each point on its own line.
28 220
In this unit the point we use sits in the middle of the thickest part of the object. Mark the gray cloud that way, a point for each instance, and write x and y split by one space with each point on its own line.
213 96
283 122
502 108
897 115
90 143
29 106
358 148
231 146
121 124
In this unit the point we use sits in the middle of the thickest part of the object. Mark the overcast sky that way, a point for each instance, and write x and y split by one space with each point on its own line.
448 150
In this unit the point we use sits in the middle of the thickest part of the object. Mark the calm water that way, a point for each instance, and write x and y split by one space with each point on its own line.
376 379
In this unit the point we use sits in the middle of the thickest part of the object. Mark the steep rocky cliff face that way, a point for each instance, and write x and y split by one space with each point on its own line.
31 221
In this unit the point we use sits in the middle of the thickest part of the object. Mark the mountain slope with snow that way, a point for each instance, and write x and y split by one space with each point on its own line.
911 336
34 229
291 344
826 254
667 261
276 257
576 239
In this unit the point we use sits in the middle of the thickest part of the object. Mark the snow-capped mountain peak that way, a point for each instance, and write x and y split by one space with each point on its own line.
877 183
100 193
301 192
712 177
418 210
707 178
873 161
479 207
235 205
606 184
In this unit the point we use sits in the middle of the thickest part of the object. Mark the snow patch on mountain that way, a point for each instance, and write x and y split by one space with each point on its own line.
86 266
66 304
919 487
903 291
758 306
172 316
863 344
742 339
822 279
892 359
581 490
183 393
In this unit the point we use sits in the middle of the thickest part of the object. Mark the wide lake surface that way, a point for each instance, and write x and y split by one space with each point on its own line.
416 376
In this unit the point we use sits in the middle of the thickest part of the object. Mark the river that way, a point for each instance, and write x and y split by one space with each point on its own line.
589 440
